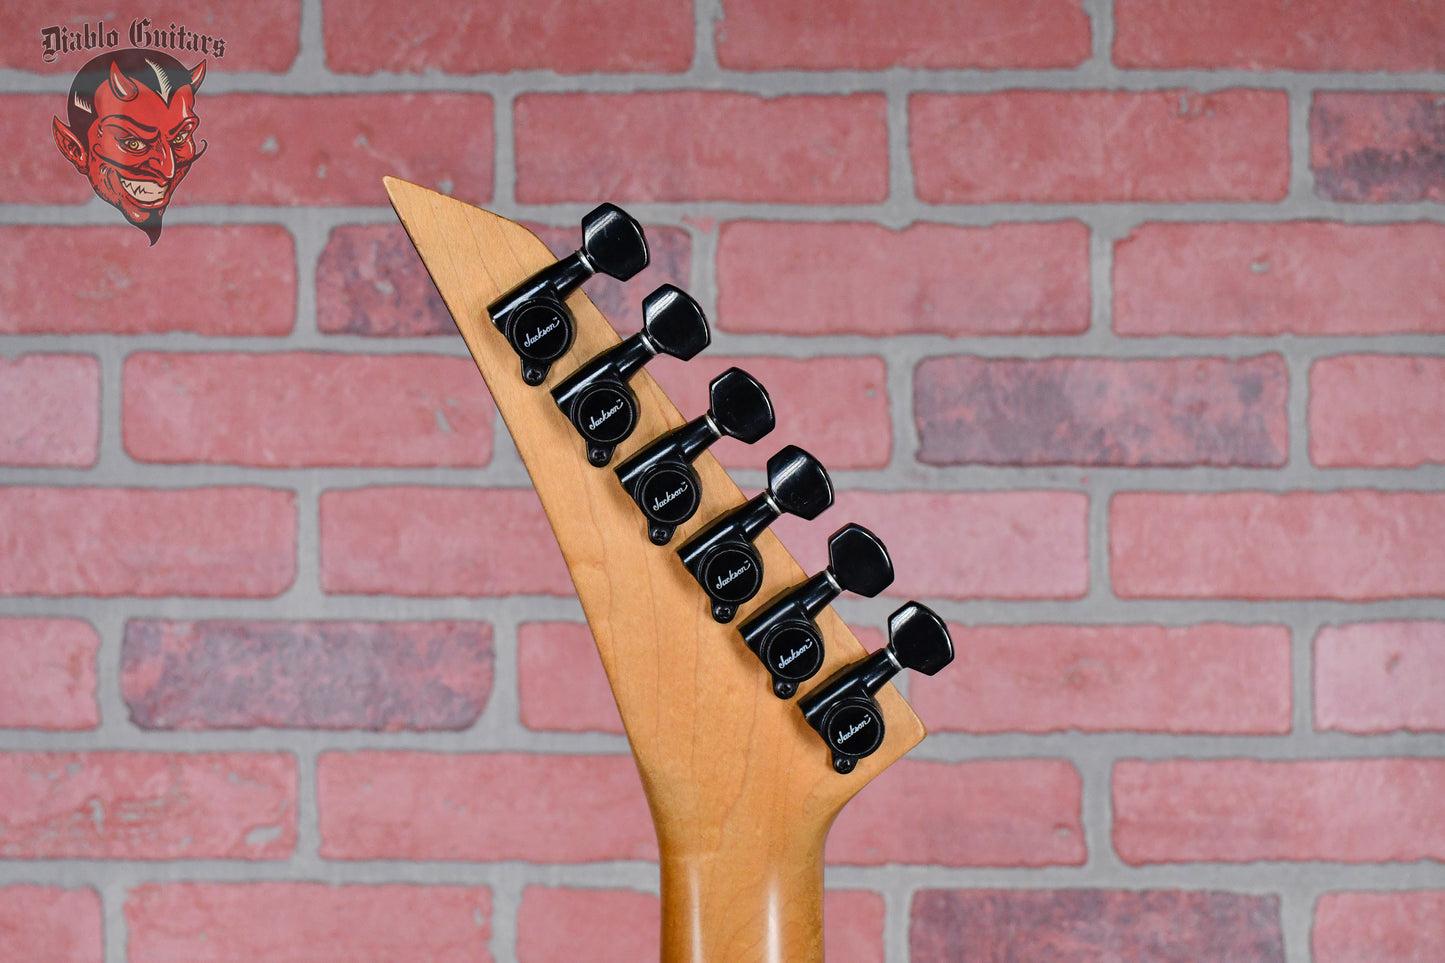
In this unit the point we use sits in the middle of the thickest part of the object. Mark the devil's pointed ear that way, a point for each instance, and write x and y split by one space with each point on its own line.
69 145
124 87
198 74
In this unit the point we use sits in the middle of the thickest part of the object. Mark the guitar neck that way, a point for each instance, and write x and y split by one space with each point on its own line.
740 789
735 898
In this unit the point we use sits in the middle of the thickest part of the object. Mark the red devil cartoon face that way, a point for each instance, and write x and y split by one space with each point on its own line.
132 130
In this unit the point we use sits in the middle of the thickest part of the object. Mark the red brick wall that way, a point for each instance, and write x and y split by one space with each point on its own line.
1136 307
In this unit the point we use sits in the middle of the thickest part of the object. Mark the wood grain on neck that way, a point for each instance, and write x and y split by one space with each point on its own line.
742 792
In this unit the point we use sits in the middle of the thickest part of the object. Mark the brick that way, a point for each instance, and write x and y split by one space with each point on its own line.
958 545
1210 678
713 146
1246 810
548 808
560 680
215 542
50 410
1378 147
1380 677
1377 411
218 281
439 541
810 397
1298 277
47 674
1355 545
1098 411
1086 925
615 925
370 282
1406 927
853 926
926 34
264 37
622 926
334 149
302 409
1096 145
1016 812
379 676
852 278
562 36
288 922
51 924
147 805
1391 35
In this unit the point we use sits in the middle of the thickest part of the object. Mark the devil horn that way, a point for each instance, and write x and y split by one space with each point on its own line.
198 74
124 87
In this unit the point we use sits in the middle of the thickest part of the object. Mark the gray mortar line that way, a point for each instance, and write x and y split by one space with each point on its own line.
1311 877
504 165
706 16
506 908
1302 640
310 62
114 931
901 191
896 919
1114 218
703 275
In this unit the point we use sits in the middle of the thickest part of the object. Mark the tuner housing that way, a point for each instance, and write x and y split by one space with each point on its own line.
722 557
784 635
843 709
596 397
533 315
660 478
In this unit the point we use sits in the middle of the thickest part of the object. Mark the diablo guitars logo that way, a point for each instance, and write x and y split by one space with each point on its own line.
131 131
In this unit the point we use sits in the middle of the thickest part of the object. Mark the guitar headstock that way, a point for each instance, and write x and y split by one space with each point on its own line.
727 765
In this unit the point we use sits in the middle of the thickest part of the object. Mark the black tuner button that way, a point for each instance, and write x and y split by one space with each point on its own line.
722 558
844 711
660 477
596 397
532 315
785 636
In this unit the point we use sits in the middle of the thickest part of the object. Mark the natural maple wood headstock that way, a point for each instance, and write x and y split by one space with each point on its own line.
742 791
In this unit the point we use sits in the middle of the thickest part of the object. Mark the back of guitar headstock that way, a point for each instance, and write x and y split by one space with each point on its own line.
742 790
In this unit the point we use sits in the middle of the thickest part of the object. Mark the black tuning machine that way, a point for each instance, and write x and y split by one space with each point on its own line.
596 397
843 709
660 477
785 637
721 556
532 315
